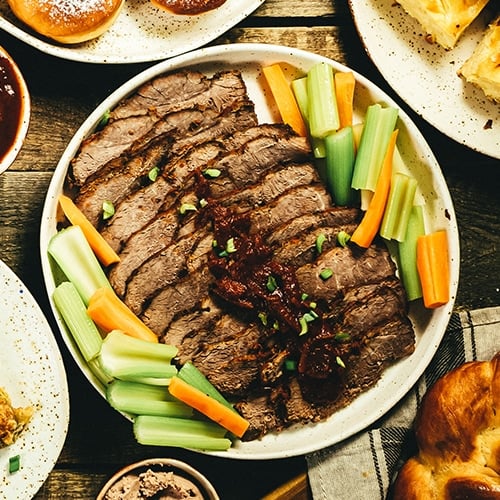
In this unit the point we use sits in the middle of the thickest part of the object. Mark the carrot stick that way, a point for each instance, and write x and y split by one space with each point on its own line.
433 268
224 416
367 229
110 313
344 92
99 245
285 100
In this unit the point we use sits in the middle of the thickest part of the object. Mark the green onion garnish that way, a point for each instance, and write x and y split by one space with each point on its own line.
339 361
211 172
290 365
104 119
230 248
186 207
326 274
108 210
271 283
14 464
263 318
320 239
203 203
153 174
342 337
343 238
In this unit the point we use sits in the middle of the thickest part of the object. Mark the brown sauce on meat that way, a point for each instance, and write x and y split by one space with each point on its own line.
190 7
10 105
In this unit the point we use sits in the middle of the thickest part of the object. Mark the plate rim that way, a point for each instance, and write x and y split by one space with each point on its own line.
69 53
256 49
451 129
54 356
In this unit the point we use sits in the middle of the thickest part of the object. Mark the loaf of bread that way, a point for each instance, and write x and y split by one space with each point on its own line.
482 68
67 21
458 435
444 21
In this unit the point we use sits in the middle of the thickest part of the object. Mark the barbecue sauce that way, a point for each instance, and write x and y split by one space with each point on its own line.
189 7
10 105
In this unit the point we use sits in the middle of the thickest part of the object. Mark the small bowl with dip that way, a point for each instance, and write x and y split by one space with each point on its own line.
15 110
158 478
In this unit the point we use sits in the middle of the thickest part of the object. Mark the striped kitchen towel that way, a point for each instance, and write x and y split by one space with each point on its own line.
364 466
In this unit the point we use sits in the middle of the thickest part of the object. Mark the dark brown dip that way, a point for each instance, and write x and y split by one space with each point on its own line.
190 7
10 105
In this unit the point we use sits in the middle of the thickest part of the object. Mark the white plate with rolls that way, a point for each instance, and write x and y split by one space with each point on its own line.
140 32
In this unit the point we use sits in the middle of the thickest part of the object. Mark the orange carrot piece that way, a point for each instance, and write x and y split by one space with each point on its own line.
344 92
224 416
110 313
285 100
433 268
367 229
99 245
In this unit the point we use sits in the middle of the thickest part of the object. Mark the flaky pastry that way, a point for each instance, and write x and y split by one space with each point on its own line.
458 435
444 21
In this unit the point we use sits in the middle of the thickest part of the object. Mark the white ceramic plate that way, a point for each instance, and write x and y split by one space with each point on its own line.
32 373
424 75
430 325
142 33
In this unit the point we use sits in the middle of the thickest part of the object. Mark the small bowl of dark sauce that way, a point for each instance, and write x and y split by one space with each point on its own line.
15 110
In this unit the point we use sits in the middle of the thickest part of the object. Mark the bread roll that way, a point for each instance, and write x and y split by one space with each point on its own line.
458 436
482 68
444 22
67 21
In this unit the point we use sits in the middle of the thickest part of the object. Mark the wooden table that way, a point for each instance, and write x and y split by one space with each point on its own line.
64 93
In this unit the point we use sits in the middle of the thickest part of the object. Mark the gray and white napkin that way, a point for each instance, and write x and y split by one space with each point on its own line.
363 466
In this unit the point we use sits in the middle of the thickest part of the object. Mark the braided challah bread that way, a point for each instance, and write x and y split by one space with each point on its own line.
458 435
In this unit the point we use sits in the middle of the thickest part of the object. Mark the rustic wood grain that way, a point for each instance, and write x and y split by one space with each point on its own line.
100 441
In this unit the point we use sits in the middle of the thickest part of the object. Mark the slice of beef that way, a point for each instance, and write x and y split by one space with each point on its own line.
349 266
172 263
120 135
140 207
183 297
170 90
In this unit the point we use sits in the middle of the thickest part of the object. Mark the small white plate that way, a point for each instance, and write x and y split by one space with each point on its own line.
425 75
142 33
430 325
32 373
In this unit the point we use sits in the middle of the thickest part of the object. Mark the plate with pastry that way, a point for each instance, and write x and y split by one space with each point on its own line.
457 429
120 31
446 71
34 400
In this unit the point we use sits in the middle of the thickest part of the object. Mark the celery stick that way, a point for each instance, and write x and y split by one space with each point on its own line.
99 373
129 358
379 124
73 254
299 88
178 432
408 253
74 313
143 399
322 103
192 376
340 157
398 208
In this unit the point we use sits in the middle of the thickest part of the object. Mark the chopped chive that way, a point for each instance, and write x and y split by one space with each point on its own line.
320 239
153 174
223 253
276 325
104 119
186 207
203 203
211 172
342 337
313 305
271 283
263 318
339 361
230 247
326 274
108 210
14 464
343 238
304 296
290 365
303 326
